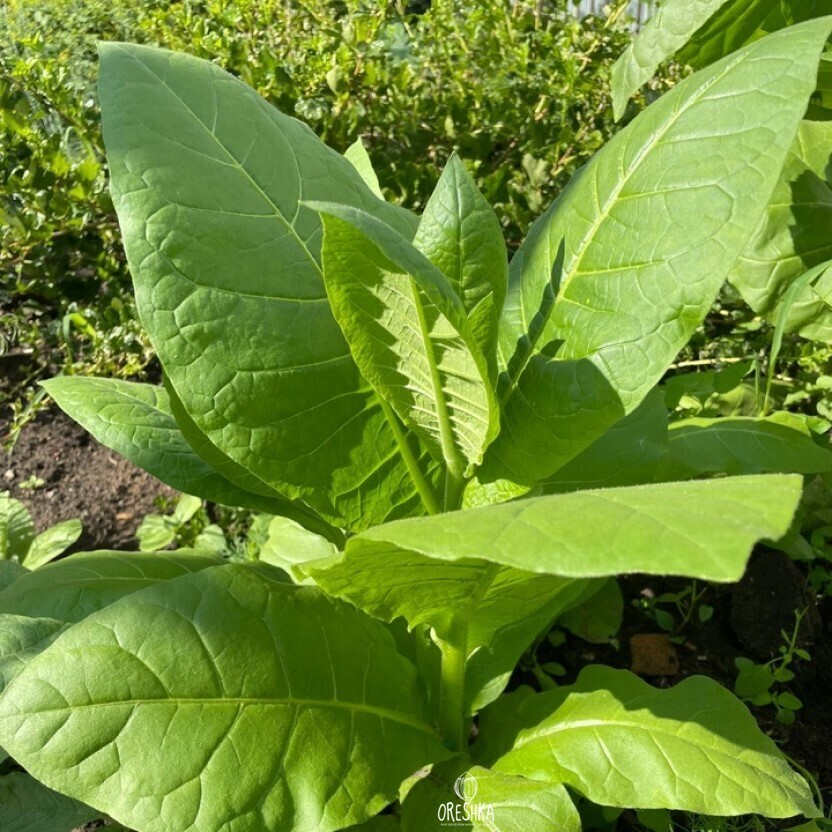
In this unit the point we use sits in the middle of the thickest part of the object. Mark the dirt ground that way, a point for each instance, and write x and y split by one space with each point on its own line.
75 476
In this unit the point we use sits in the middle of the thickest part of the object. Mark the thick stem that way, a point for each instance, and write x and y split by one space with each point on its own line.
454 487
454 651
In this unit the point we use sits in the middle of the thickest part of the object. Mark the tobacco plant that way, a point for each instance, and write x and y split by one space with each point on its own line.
431 421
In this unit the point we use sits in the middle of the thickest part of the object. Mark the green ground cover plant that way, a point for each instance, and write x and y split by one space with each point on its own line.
434 425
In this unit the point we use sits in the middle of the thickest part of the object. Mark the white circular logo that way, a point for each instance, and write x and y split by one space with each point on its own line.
466 787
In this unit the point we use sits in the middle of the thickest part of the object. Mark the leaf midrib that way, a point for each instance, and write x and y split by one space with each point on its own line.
239 701
605 210
453 457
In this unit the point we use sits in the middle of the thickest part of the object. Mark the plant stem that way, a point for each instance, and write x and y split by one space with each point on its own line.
454 486
412 464
454 651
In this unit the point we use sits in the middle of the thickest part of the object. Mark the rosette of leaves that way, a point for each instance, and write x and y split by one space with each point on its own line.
390 384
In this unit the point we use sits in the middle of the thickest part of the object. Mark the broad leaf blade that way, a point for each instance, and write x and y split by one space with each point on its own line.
207 180
498 802
409 335
627 454
318 738
52 542
72 589
29 806
700 529
621 742
136 421
793 234
740 445
636 275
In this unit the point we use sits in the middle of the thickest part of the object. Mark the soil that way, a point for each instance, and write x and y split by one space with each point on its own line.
75 476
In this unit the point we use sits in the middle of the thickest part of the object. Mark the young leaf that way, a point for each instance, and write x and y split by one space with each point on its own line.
409 335
17 531
700 529
620 742
793 234
740 445
597 619
296 712
72 589
52 542
711 148
460 234
669 28
29 806
498 802
289 545
207 180
356 154
136 421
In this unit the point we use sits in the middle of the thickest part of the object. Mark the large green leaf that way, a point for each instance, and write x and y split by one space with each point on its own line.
207 180
627 454
669 28
503 608
461 235
28 806
699 529
221 701
793 235
740 445
21 638
620 742
495 802
409 334
136 421
72 589
636 275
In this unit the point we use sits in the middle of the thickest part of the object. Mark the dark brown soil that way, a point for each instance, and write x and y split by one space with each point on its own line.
80 478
